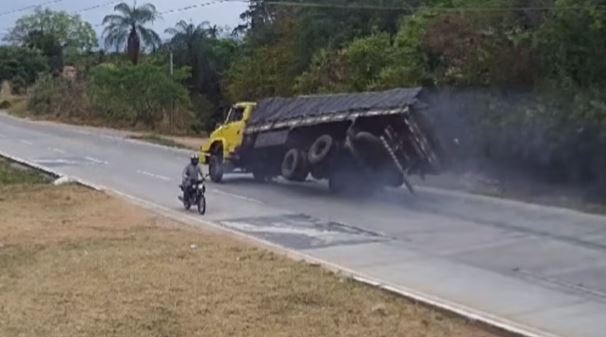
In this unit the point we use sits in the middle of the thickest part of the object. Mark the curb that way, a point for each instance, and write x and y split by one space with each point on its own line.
484 318
52 172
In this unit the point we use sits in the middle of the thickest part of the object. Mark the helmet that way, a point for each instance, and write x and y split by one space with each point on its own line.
195 159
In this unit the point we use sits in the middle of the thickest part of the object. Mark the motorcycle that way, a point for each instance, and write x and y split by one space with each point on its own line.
196 196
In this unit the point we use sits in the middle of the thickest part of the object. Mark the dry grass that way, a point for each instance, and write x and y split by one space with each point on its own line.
15 104
79 263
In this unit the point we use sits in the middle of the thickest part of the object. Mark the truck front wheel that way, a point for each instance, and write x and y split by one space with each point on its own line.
215 168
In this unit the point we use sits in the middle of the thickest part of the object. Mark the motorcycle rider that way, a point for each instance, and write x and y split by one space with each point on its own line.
191 173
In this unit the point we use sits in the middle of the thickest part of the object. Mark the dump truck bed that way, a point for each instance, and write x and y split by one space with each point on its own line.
277 113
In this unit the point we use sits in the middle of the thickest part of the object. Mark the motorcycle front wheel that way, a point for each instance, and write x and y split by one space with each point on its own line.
202 205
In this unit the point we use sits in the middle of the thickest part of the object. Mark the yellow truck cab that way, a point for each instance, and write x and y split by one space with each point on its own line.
225 141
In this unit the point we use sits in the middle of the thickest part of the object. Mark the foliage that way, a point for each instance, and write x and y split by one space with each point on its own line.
127 28
55 33
69 31
144 93
268 71
572 43
60 98
20 66
209 57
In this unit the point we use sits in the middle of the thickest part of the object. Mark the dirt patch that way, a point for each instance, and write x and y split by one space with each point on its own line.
80 263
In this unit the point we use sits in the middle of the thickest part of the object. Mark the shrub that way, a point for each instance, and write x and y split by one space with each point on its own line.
21 66
140 94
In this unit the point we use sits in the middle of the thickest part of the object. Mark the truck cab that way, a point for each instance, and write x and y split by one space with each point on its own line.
225 141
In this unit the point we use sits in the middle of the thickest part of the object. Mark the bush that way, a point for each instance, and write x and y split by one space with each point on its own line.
59 97
140 94
205 113
21 66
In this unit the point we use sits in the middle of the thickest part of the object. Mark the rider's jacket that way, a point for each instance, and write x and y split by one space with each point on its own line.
192 172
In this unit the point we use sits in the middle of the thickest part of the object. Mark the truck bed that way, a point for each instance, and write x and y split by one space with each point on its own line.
278 113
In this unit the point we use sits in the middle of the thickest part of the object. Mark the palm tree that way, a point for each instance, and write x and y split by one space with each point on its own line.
188 33
128 28
190 44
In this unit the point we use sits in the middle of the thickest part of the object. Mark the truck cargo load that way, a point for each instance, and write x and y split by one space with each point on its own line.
380 137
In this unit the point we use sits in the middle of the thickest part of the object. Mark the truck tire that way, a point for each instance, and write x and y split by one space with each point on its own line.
294 166
320 149
370 149
215 168
367 139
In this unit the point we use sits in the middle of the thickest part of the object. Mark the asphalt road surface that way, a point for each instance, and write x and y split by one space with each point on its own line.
539 269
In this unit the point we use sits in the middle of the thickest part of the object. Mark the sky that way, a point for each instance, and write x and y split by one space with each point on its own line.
217 13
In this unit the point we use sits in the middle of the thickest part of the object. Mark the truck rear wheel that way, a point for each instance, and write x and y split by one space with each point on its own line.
295 166
320 149
215 168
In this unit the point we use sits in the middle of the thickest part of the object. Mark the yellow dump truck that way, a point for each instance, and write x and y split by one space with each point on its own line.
352 140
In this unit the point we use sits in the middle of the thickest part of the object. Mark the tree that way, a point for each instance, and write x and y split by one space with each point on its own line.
209 57
54 33
189 44
269 70
69 31
189 33
128 28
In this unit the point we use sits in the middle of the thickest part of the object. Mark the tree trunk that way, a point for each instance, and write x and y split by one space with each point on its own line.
133 46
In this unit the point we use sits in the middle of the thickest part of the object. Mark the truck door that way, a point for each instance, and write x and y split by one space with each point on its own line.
233 130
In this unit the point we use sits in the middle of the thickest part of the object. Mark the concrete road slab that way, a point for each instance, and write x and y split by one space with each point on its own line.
357 256
472 287
581 319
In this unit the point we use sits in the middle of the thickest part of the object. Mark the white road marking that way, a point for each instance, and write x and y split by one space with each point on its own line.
152 175
26 142
55 161
214 190
95 160
57 150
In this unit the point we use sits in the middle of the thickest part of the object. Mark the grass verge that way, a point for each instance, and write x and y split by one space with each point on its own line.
79 263
12 173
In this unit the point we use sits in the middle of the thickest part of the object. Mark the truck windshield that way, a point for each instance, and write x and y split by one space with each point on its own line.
235 115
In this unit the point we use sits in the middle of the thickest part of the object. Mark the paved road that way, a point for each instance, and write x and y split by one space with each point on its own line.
537 268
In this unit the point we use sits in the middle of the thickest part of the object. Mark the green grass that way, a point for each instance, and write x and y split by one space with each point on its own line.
156 139
12 173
